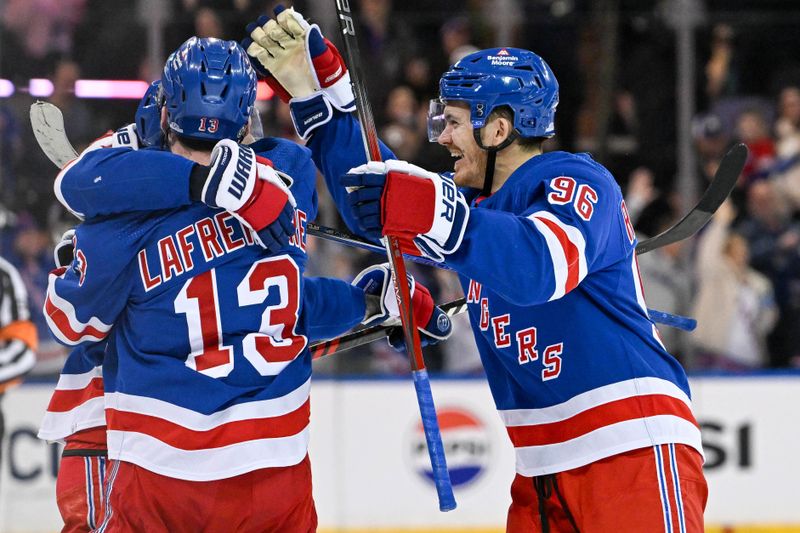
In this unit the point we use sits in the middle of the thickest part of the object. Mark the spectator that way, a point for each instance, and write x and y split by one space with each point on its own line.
787 126
752 129
722 75
735 308
43 28
774 242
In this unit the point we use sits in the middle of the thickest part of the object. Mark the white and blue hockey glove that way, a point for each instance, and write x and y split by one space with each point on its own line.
433 324
301 66
249 188
403 200
64 252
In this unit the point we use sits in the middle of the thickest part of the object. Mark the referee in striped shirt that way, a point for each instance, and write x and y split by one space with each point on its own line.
17 333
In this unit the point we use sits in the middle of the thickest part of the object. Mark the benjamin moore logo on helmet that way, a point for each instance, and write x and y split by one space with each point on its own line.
466 445
503 59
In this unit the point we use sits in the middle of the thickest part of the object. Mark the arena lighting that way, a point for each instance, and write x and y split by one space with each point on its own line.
6 88
110 89
40 87
123 89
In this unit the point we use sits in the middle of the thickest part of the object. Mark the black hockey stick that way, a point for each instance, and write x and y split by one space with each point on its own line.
374 333
718 190
48 126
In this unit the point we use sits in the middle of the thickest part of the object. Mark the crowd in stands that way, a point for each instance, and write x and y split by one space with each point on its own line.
740 278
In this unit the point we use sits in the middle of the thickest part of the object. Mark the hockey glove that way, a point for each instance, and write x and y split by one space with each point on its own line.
404 200
302 67
248 187
64 252
433 324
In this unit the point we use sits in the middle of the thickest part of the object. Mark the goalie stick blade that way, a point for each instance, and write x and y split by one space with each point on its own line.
721 186
47 123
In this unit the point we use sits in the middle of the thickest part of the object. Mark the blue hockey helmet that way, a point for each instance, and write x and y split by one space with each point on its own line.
497 77
209 87
148 116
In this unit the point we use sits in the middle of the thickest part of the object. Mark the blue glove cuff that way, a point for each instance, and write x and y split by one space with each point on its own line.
310 113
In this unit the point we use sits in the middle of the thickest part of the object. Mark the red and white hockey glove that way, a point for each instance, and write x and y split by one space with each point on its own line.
433 323
400 199
248 187
303 68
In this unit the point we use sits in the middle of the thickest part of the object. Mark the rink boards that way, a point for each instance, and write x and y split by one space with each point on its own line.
371 470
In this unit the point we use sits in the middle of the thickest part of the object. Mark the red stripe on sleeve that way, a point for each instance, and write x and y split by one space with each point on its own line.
61 321
571 253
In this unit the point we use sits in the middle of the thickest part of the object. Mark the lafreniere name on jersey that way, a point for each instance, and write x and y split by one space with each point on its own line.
204 240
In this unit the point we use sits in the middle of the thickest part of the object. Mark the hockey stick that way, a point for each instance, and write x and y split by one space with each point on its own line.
47 123
676 321
369 135
48 127
348 341
374 333
718 190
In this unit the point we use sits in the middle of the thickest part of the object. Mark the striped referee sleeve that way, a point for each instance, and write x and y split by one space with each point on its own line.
18 339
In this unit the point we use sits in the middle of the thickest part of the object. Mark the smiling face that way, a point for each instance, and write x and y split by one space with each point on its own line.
470 165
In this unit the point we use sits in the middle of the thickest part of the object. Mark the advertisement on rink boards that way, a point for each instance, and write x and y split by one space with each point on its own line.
371 468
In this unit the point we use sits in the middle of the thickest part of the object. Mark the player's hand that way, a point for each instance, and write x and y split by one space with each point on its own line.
301 66
404 200
433 324
64 252
248 187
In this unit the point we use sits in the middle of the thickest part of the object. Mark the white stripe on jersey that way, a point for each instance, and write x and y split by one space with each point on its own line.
606 441
78 381
208 464
57 426
70 331
200 422
587 400
567 274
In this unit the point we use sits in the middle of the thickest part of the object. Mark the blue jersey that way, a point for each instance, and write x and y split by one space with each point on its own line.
557 308
207 370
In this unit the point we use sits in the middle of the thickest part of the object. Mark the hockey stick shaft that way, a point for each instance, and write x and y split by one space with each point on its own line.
348 341
48 127
367 335
677 321
422 385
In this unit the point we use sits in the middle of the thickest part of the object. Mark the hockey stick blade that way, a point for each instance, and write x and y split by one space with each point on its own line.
374 333
720 188
47 123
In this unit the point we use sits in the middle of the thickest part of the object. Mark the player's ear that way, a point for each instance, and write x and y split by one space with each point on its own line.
496 130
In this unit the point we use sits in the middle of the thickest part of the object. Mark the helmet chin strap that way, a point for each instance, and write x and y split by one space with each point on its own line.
488 178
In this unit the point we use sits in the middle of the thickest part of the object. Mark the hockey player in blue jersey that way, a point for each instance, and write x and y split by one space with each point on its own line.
207 370
598 412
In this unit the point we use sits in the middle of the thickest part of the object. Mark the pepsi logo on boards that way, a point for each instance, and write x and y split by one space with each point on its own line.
466 444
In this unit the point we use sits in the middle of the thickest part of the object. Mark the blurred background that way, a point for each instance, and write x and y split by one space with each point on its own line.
655 90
